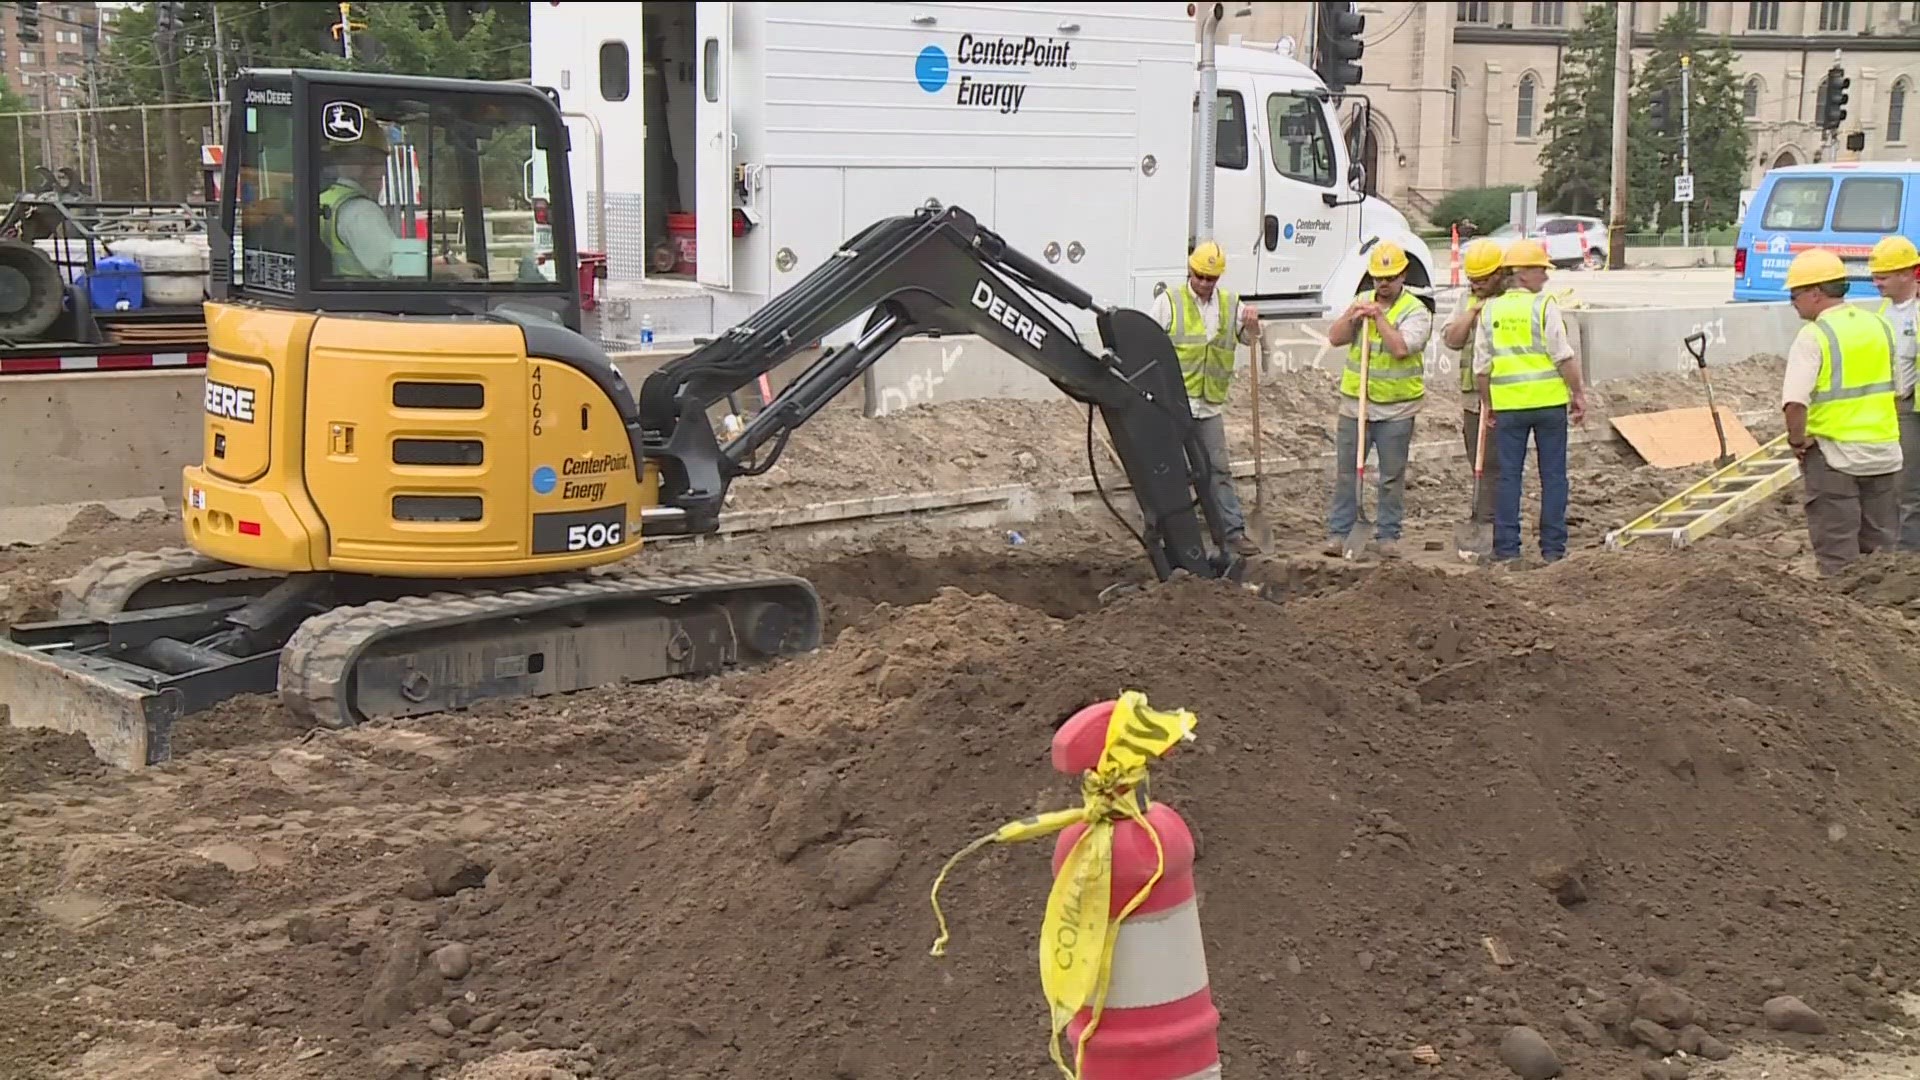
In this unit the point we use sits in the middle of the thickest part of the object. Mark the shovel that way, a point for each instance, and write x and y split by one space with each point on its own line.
1356 540
1474 539
1697 345
1262 528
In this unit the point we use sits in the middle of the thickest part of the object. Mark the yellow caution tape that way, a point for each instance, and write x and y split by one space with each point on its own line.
1077 938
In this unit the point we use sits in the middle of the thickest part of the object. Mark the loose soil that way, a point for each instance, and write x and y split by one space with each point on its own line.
1638 774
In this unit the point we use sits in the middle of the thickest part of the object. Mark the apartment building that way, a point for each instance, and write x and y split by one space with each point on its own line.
1460 90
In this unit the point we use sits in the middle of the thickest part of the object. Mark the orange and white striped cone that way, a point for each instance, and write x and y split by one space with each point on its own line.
1456 254
1159 1021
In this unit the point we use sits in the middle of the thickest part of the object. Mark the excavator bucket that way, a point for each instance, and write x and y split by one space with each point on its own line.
127 725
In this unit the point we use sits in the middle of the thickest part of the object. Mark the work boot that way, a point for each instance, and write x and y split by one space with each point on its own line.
1243 545
1387 549
1335 548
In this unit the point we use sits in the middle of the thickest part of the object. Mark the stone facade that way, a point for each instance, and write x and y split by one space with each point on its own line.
1459 91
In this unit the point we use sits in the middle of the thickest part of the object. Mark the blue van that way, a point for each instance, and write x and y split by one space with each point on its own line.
1844 206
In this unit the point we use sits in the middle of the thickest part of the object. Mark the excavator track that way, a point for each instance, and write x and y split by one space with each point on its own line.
140 579
448 650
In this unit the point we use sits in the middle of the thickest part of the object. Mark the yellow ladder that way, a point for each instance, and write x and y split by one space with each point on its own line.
1718 499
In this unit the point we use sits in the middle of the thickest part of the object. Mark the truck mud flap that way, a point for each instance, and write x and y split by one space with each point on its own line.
127 725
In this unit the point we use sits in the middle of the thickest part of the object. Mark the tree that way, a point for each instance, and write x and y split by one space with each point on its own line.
461 38
1719 140
1576 164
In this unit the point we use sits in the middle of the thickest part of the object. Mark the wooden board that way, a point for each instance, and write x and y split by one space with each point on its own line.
1677 438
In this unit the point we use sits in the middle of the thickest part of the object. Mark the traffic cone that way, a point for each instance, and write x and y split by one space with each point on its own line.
1159 1021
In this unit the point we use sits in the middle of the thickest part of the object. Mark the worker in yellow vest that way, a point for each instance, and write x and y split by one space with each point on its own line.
1895 266
1838 400
1486 279
1398 325
1527 373
1206 323
354 229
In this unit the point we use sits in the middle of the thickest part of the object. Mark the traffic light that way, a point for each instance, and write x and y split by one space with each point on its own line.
1660 111
1833 97
1337 44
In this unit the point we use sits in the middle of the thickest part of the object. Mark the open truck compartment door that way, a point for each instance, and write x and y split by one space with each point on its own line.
713 167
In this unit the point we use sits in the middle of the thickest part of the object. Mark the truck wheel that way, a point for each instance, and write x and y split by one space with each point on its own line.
31 292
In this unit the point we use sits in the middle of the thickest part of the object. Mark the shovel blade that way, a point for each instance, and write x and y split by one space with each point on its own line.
127 725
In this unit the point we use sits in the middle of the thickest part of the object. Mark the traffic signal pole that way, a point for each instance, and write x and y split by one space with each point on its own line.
1686 160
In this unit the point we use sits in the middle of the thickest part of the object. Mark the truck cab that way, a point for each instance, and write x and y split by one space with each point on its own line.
1290 206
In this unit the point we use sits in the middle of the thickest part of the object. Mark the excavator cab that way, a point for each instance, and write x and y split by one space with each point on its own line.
402 195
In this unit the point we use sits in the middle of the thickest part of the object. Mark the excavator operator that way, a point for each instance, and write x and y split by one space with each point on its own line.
355 229
1205 321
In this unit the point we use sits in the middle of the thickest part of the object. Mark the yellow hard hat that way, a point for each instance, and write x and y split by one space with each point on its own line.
1208 260
1388 259
1527 252
1815 266
1893 253
1481 258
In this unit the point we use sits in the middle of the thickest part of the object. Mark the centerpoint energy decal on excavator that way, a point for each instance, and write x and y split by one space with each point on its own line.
994 71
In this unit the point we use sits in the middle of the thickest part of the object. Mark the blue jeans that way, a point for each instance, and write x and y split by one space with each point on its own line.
1548 428
1391 440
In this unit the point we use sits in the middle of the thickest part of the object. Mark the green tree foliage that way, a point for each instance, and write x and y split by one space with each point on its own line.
1719 139
1488 208
1577 161
463 39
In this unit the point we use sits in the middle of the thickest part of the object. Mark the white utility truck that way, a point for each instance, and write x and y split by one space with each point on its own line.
723 150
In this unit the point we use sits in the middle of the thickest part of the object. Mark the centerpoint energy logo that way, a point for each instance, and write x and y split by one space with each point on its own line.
994 72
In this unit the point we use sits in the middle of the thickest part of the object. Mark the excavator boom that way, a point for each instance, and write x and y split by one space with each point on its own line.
938 272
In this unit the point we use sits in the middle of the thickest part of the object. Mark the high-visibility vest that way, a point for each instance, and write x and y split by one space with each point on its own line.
1466 359
1206 353
1390 380
331 200
1524 375
1852 399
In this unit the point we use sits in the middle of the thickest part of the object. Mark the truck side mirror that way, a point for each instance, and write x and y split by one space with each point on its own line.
1357 176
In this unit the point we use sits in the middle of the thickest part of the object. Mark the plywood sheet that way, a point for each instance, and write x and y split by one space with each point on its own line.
1677 438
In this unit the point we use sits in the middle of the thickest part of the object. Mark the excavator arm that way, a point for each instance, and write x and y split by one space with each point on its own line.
938 272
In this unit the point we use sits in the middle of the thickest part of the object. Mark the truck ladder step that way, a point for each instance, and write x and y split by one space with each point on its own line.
1716 500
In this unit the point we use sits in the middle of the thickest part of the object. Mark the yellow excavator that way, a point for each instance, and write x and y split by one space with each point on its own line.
419 478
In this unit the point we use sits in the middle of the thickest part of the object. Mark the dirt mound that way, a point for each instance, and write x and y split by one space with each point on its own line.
31 758
1668 790
1887 579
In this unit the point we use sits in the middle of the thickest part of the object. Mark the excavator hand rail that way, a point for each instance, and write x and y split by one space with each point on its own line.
935 273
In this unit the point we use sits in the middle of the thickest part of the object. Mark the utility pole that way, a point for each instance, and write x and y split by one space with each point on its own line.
345 30
1686 159
220 66
1622 65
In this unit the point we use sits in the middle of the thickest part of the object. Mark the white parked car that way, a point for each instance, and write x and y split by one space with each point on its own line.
1563 235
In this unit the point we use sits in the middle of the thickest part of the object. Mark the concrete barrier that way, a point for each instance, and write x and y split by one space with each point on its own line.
77 438
1621 343
933 371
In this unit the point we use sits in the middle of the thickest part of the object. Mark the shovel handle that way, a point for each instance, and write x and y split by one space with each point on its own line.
1696 343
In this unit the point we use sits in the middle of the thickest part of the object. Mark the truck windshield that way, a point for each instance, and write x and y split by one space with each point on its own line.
1302 145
